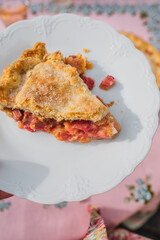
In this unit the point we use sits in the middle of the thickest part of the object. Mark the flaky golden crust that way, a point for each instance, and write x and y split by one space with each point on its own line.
150 52
78 62
43 84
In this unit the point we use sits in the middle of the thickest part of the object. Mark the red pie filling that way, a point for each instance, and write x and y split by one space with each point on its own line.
88 81
79 64
76 62
107 82
78 130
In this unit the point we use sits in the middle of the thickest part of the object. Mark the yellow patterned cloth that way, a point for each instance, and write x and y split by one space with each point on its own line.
98 231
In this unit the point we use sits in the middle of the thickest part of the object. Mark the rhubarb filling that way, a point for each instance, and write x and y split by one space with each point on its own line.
77 130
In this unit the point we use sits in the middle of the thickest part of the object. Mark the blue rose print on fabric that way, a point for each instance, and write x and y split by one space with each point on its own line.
141 193
61 205
58 205
4 205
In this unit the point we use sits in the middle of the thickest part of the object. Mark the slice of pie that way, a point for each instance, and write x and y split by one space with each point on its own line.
43 92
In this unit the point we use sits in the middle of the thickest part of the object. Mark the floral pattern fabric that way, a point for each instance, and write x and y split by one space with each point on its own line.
4 205
142 193
121 234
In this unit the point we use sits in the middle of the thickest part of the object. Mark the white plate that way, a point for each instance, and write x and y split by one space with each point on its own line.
38 167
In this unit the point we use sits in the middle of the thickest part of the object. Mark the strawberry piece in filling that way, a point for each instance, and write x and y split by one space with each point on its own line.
78 130
80 64
107 82
77 62
17 115
88 81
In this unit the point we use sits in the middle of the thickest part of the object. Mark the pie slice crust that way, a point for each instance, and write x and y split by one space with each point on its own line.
45 92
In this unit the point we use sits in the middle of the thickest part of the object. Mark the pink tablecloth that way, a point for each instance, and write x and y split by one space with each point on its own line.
139 193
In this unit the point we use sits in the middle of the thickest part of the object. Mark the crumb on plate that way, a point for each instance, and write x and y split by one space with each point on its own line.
89 65
110 104
85 50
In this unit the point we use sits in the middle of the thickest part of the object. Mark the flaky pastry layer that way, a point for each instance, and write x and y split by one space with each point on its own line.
43 84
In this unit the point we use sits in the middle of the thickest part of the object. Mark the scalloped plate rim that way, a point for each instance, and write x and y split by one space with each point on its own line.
102 189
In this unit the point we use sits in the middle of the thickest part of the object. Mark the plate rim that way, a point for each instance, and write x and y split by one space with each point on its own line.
122 175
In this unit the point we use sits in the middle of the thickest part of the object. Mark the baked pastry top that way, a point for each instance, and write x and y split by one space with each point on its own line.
50 93
152 54
43 84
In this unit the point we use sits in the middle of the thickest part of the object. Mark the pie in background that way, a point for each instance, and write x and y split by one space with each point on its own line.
46 92
152 54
